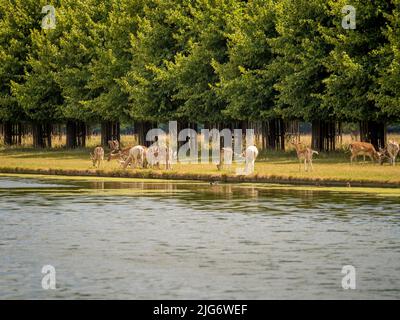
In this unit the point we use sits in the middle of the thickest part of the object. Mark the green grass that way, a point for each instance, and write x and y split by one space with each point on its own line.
332 166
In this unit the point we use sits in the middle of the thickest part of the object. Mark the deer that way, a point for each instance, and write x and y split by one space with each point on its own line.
225 158
113 145
97 156
390 152
136 156
304 154
363 149
122 154
157 155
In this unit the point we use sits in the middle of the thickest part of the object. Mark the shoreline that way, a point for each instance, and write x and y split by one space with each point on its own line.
223 177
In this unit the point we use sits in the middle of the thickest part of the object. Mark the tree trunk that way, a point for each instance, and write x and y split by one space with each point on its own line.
141 128
373 132
323 135
82 133
110 131
41 135
71 134
19 134
76 134
274 134
12 133
7 133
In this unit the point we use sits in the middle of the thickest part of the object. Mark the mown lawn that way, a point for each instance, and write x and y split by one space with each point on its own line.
333 166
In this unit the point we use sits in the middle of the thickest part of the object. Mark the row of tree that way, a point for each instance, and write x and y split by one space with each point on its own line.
215 62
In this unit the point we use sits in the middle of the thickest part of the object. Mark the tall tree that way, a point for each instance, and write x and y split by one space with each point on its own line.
353 66
302 50
387 91
17 19
112 62
246 80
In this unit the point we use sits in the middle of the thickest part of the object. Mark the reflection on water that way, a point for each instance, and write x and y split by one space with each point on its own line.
158 240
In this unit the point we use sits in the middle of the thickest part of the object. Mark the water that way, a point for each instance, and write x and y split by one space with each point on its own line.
155 240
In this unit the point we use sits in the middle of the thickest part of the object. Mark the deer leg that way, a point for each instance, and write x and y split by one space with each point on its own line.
305 165
372 159
127 161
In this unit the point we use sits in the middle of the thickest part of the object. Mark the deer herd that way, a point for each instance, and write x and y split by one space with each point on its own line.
158 155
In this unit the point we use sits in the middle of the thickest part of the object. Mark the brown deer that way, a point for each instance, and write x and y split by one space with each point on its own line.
122 154
363 149
97 156
304 154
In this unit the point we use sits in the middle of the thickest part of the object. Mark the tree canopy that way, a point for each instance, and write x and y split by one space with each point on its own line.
199 61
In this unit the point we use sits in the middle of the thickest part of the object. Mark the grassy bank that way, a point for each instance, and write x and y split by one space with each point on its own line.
329 169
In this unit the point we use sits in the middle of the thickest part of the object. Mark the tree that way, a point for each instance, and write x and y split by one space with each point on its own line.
82 26
301 52
246 80
387 81
110 65
353 65
17 19
38 94
204 30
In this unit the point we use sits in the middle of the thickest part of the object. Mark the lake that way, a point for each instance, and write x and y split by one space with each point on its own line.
184 240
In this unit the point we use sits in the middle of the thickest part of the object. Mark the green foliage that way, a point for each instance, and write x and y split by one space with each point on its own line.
246 80
17 20
199 61
301 50
354 62
387 91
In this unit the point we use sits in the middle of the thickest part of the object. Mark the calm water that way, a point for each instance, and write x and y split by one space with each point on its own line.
194 241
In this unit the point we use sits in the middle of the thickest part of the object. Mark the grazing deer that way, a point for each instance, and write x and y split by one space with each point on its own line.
304 154
225 158
97 156
390 152
136 156
122 154
363 149
113 145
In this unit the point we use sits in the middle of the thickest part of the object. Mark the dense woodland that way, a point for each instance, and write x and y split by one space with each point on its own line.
218 63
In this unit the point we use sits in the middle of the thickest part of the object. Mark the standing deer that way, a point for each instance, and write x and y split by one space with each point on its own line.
363 149
97 156
304 154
